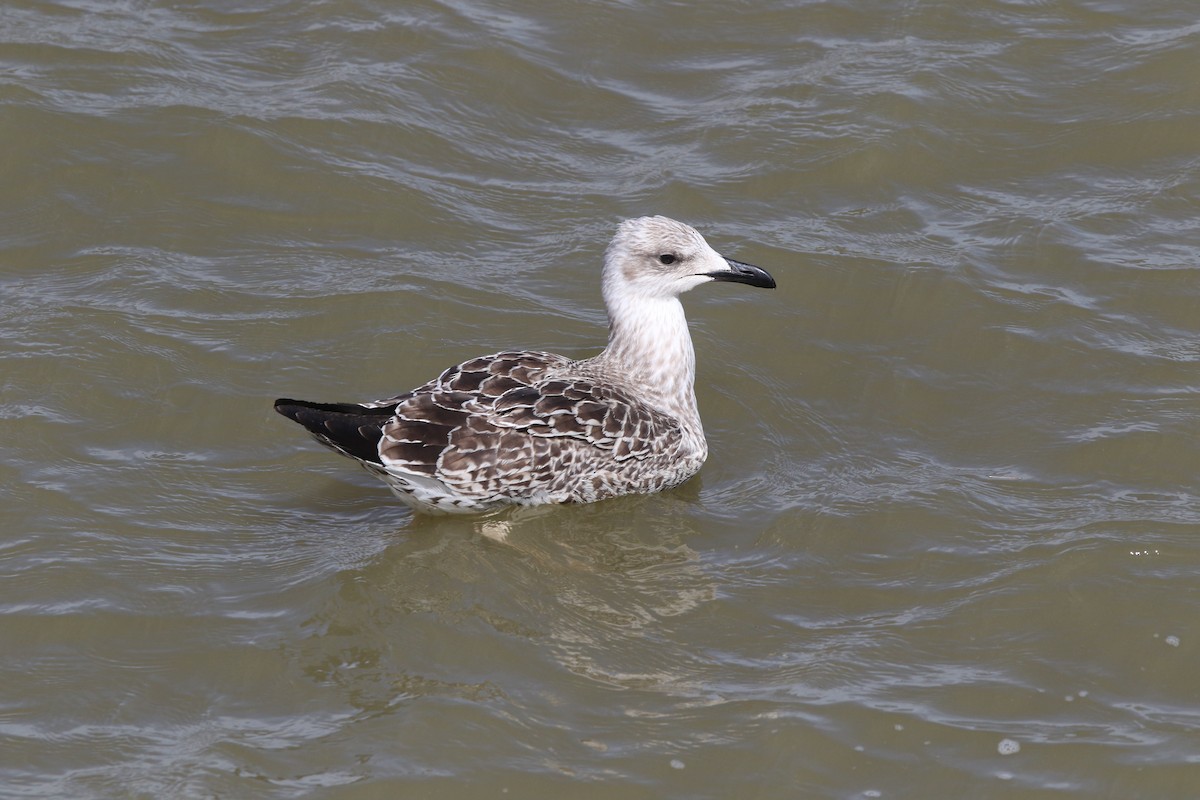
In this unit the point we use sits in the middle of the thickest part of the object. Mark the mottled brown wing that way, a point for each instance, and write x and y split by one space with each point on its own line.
426 418
514 424
602 417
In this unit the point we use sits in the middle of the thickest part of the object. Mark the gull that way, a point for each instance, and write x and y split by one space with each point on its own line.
524 427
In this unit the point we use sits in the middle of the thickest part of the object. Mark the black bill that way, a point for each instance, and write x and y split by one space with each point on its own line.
744 273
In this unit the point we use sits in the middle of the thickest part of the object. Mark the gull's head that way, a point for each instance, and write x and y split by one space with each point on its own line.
659 257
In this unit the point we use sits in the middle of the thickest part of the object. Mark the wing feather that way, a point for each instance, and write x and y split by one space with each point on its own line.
520 424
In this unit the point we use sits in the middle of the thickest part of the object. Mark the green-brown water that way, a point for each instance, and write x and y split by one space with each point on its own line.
952 497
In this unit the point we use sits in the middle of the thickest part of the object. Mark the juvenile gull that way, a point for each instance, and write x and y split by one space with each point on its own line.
526 427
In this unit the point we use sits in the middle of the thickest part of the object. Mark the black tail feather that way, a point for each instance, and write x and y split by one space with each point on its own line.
351 429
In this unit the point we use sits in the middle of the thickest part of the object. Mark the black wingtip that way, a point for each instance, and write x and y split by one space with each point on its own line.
347 427
290 408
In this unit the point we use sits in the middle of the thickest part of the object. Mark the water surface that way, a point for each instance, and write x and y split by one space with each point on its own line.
951 506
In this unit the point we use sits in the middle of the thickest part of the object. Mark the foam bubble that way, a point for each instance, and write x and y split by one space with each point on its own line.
1008 746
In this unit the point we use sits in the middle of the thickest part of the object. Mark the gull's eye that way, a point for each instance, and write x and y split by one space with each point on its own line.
666 258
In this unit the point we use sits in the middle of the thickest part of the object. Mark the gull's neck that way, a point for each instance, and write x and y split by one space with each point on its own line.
650 348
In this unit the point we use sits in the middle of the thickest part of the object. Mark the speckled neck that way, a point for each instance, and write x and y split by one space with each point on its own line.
650 349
